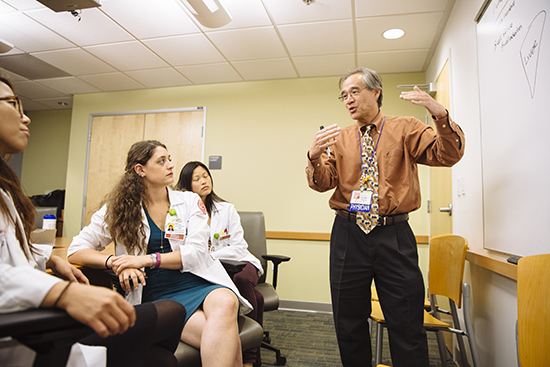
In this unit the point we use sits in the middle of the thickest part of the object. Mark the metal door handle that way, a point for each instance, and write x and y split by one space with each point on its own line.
448 209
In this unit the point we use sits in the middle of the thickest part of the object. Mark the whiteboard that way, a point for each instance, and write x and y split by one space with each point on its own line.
513 41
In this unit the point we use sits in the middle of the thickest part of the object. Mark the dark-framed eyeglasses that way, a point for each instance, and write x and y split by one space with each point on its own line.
354 93
16 101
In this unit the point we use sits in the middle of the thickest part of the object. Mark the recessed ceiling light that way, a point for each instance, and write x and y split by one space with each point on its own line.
393 34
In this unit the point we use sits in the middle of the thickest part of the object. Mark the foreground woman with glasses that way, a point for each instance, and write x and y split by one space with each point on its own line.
151 329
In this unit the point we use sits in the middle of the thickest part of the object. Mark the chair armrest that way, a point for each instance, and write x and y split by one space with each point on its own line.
49 332
276 259
233 267
36 320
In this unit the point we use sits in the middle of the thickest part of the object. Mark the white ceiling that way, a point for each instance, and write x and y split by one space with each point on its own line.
138 44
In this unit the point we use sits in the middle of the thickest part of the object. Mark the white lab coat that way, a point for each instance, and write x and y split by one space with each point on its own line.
194 247
24 284
230 244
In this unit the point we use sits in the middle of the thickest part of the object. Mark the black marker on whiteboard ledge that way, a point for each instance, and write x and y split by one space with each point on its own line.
328 148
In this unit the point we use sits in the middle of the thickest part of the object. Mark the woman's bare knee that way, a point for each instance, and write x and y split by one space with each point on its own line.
221 301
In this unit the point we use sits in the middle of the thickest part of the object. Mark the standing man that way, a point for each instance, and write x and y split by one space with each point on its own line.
372 165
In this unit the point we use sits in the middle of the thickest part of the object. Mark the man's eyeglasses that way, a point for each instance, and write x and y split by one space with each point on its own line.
354 93
16 102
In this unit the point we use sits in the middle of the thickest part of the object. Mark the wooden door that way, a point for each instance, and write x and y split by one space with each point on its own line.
182 134
112 136
110 139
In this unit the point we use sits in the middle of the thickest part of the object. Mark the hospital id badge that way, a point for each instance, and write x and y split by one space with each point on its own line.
360 201
174 228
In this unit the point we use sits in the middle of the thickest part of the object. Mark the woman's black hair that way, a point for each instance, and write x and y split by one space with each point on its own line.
186 179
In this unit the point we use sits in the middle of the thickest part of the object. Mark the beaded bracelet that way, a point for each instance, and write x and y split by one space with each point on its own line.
61 294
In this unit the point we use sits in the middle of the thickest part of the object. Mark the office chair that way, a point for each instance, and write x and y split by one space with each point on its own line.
533 310
253 224
446 270
50 333
250 332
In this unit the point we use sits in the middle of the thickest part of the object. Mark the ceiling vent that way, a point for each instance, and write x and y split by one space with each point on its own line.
70 5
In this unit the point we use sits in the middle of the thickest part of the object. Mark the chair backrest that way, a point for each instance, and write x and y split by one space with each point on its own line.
253 224
534 310
446 269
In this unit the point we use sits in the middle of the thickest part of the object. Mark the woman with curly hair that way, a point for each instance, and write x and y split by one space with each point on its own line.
161 250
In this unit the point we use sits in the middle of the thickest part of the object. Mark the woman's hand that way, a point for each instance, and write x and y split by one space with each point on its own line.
119 263
135 275
66 271
102 309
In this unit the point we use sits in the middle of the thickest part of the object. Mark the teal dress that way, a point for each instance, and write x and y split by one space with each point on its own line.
185 288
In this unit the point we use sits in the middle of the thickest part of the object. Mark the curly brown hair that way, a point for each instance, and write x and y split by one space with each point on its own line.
123 214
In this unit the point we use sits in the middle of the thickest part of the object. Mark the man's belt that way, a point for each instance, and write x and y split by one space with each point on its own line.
383 220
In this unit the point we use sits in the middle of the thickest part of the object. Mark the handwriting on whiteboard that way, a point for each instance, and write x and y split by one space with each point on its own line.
529 50
509 29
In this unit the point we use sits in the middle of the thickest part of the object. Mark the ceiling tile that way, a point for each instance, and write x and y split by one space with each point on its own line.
293 11
33 90
30 67
70 85
244 14
419 30
372 8
309 66
93 27
265 69
210 73
158 78
185 50
32 105
151 18
11 76
29 36
248 44
5 8
75 61
318 38
394 61
13 51
24 4
127 56
112 82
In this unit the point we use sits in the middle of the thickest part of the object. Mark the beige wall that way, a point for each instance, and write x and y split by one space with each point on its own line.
45 158
262 130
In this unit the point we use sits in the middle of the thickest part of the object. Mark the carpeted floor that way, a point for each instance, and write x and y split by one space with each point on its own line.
308 340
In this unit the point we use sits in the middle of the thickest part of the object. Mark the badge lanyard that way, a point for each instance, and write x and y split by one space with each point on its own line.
375 148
